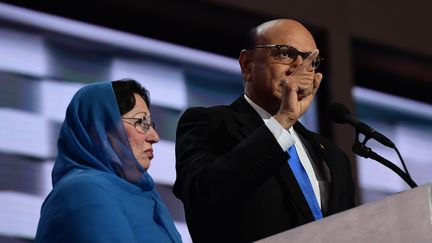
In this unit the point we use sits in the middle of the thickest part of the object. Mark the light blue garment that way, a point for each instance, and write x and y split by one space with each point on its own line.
100 191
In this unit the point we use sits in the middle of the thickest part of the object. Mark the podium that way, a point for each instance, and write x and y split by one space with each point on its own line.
401 218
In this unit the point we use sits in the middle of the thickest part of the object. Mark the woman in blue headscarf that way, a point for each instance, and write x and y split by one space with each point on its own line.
101 189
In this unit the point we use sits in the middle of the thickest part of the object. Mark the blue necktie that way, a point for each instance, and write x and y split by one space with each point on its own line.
303 180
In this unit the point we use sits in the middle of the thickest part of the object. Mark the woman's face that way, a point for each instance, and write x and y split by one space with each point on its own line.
141 138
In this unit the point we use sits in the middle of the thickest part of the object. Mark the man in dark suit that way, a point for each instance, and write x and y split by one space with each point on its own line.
235 177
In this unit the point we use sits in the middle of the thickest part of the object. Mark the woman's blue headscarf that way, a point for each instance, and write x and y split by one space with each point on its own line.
93 138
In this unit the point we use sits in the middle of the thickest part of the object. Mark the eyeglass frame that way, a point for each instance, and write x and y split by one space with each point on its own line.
297 53
140 122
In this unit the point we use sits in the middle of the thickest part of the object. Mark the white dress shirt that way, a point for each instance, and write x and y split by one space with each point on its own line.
286 139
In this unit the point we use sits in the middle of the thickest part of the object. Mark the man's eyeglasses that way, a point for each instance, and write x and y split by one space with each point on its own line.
287 54
142 125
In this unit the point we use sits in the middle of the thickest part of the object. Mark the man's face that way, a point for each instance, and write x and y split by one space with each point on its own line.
267 70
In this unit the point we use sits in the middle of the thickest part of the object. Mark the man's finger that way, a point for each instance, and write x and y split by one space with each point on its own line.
306 62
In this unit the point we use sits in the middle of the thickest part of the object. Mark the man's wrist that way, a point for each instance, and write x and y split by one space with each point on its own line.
284 120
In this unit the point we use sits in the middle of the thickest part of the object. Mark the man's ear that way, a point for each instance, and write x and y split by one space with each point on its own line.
245 61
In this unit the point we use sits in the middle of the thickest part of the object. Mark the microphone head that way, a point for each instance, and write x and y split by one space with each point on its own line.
338 113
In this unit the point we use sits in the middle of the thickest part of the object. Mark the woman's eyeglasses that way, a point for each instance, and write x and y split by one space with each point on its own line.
142 125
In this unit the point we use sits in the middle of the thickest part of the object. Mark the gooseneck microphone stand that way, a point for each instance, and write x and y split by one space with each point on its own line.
361 149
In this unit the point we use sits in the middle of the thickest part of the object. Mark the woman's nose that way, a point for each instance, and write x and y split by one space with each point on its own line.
153 136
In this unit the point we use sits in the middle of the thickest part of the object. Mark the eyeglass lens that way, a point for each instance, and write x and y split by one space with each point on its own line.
289 54
144 124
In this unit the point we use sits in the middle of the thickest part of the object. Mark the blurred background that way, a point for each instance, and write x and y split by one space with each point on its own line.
377 61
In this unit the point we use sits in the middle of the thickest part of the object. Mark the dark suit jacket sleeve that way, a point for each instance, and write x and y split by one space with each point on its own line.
215 165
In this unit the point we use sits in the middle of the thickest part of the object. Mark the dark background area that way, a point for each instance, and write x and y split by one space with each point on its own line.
221 29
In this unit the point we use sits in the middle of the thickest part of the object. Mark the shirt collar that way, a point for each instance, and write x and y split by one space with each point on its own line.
261 112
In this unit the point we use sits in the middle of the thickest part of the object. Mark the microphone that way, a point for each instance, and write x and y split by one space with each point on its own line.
340 114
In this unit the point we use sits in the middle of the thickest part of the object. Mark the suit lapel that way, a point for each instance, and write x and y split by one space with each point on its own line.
246 117
248 121
319 152
298 197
